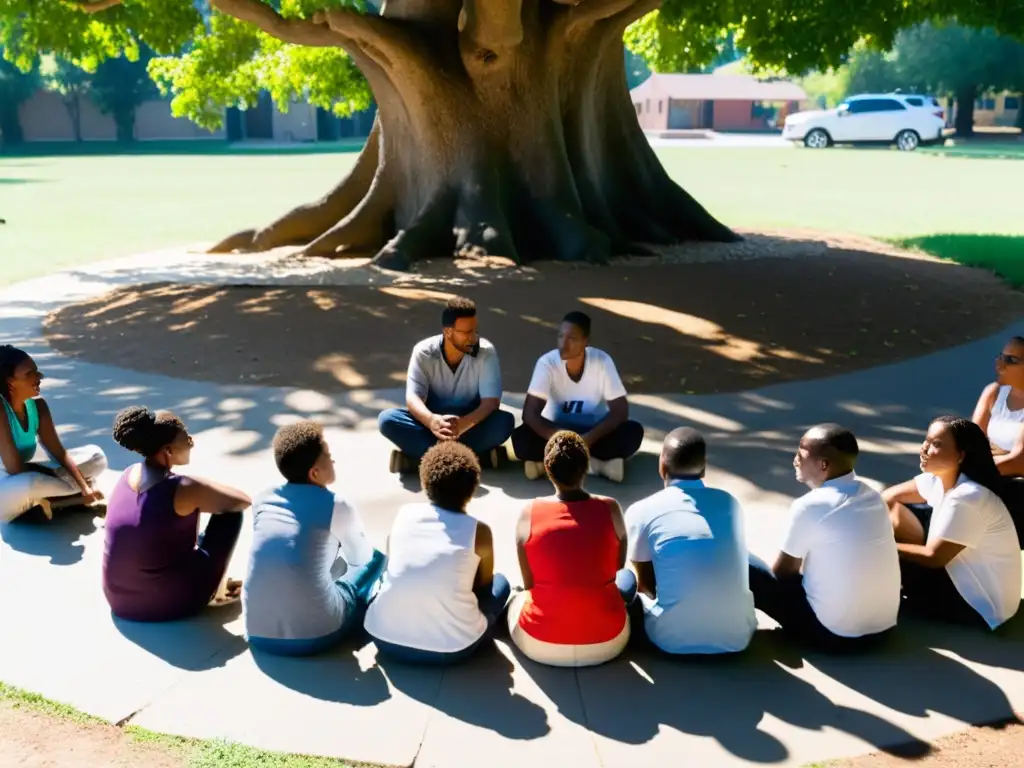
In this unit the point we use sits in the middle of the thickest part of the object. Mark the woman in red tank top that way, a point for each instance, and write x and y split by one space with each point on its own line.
572 549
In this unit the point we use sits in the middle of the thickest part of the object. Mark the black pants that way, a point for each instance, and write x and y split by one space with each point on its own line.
785 600
622 443
1014 498
929 593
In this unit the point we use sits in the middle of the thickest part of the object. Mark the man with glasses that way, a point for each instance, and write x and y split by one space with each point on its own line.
452 392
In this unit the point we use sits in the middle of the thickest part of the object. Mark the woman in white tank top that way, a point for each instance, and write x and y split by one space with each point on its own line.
1000 409
1000 413
439 595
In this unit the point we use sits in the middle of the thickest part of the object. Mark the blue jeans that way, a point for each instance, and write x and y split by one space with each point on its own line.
492 601
785 600
413 439
354 588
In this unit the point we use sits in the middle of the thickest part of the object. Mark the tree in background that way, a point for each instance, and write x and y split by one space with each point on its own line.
15 88
949 59
504 127
71 83
119 86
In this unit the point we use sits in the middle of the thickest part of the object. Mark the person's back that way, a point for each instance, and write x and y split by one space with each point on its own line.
147 547
426 598
573 552
850 563
290 592
695 539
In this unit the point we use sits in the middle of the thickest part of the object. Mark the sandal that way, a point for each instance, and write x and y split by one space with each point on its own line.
230 592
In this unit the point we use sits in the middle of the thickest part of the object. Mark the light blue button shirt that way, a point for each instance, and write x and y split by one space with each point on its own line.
695 538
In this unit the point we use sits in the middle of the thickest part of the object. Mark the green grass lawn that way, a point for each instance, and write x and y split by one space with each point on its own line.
68 210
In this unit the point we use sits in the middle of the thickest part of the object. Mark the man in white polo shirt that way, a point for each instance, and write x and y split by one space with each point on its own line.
836 583
452 392
577 387
688 547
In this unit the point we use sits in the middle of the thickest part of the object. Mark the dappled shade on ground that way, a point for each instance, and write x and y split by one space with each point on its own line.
708 327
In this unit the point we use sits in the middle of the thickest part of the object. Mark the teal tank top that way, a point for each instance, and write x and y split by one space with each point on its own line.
24 439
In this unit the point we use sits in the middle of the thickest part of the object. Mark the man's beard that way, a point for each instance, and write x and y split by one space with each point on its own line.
473 350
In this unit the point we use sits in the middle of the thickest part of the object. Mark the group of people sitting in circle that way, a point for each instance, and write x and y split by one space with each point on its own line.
673 570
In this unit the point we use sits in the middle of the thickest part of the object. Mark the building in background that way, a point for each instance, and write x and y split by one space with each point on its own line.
45 118
675 102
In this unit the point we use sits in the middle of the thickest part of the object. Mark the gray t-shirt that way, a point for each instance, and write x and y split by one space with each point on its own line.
475 377
300 533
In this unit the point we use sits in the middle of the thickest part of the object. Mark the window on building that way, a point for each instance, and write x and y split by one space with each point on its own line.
639 108
990 104
647 105
1011 102
660 105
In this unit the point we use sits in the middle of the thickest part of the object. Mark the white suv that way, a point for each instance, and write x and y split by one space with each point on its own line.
883 118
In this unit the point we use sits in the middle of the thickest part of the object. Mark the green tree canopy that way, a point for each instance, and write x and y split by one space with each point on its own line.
209 60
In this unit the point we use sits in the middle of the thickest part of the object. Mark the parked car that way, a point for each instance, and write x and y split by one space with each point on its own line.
868 119
930 103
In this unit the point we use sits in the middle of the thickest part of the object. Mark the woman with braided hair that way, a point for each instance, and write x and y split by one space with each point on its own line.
67 478
156 564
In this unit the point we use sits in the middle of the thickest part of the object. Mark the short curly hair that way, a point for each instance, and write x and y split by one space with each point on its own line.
142 431
566 459
450 475
297 448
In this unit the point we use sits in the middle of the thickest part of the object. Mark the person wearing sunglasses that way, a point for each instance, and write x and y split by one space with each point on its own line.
156 564
1000 413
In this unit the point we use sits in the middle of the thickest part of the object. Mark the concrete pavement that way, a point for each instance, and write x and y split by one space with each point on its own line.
198 678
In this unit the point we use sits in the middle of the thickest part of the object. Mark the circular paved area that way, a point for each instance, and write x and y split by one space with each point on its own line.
198 677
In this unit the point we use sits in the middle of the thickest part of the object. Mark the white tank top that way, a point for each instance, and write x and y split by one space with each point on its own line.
426 598
1004 425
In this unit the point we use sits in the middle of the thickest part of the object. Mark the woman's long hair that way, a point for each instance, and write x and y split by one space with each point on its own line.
977 462
10 359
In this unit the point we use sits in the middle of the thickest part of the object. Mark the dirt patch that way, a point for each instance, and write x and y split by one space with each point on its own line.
718 325
37 739
988 747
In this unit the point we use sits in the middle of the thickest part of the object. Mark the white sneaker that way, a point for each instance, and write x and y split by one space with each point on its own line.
613 469
534 470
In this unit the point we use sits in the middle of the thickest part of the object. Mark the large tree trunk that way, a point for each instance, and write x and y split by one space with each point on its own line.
1020 110
965 111
73 105
124 120
504 128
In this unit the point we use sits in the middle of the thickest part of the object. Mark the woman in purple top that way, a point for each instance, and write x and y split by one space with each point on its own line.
156 565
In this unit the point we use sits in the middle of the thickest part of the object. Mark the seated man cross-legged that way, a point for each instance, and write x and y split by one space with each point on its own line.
294 601
577 387
452 392
836 583
688 547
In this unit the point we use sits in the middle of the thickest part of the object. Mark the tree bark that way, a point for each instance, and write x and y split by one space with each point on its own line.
73 105
505 128
1020 110
124 120
965 111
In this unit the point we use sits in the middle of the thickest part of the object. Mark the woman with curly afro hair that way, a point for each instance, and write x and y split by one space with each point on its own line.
572 553
67 479
155 567
440 597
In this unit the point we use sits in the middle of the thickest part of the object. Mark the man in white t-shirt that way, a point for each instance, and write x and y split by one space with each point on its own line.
452 392
688 546
577 387
836 582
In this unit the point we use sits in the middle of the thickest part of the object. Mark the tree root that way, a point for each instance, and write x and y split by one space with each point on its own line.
305 223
